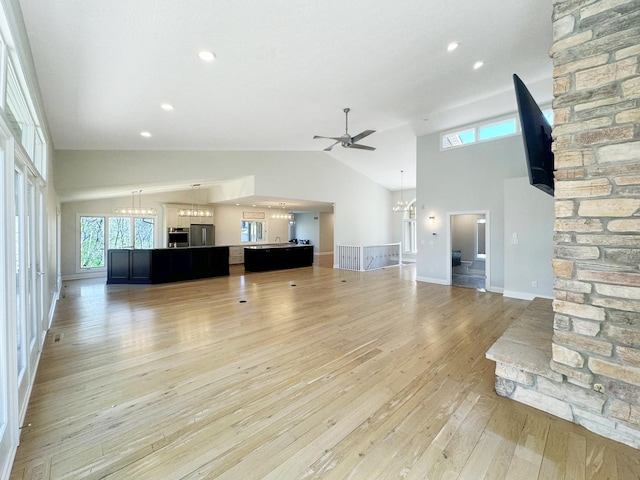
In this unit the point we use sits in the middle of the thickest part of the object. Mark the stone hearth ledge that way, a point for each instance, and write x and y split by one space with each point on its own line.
523 373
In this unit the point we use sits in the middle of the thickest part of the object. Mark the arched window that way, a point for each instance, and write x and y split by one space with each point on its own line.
409 235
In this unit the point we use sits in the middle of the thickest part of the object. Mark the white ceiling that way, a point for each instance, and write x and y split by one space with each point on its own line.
285 69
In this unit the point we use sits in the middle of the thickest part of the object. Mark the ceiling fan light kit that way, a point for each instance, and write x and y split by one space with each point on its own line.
346 140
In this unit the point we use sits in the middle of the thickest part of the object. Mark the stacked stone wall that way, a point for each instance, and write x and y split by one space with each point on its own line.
596 87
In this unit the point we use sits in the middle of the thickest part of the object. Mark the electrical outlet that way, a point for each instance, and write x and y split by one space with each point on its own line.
534 284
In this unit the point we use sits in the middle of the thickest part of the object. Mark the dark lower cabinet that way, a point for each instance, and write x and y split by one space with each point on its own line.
165 265
140 266
118 266
260 259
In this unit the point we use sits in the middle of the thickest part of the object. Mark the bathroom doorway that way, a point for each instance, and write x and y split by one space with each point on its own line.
469 249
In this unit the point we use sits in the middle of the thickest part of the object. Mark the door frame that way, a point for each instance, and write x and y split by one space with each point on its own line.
487 239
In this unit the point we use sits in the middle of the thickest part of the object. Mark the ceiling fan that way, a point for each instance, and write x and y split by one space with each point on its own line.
347 140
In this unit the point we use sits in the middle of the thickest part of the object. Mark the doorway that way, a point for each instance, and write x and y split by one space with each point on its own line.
469 249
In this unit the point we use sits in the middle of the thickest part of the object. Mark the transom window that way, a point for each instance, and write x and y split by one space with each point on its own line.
455 139
485 131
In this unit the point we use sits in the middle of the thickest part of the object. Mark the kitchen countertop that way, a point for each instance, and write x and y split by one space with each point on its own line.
280 245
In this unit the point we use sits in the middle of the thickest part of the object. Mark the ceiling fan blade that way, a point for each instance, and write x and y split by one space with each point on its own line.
360 136
328 149
361 147
337 139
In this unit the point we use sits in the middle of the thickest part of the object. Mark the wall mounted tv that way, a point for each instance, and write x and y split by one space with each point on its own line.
536 134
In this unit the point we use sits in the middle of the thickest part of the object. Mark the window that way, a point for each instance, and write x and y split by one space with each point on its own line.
483 132
252 231
21 327
18 113
409 231
481 251
122 232
143 231
92 242
495 130
458 138
119 232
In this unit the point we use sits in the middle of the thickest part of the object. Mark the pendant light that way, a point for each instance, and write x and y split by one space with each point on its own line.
139 210
195 210
402 205
283 215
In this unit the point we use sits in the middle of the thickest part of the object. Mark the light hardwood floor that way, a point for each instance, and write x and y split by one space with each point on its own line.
321 373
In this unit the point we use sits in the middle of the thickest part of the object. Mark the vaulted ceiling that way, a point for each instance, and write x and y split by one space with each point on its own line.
284 70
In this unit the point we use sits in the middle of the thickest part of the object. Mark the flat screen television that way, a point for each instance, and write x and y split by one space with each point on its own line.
536 135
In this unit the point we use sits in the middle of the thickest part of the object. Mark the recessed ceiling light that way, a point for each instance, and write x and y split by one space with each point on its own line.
477 65
452 46
166 106
145 134
237 204
206 56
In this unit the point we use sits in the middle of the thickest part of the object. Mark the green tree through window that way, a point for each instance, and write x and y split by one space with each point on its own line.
143 233
119 232
92 242
122 232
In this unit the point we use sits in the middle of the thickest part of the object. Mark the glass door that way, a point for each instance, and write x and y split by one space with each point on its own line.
31 287
7 380
40 265
23 341
20 314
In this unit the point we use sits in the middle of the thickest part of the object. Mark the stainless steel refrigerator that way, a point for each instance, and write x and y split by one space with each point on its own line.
202 235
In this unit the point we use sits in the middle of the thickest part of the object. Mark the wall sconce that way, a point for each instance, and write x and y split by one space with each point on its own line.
431 219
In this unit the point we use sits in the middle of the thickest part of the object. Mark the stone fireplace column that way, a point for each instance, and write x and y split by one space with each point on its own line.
596 83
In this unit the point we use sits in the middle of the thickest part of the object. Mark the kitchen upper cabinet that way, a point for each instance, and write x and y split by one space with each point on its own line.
176 221
173 220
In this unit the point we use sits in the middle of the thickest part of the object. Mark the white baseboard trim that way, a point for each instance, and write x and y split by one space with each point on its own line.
80 276
438 281
5 468
495 290
518 295
52 308
524 295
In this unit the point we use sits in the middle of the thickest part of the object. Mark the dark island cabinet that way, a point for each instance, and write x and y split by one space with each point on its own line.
163 265
260 259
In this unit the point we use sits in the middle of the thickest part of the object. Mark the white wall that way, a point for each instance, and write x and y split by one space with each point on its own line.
463 179
326 245
528 213
362 213
308 228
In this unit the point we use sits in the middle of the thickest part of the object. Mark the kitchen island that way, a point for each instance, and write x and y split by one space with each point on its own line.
163 265
259 258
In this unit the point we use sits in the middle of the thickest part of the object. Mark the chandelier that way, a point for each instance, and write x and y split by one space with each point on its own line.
133 210
402 205
195 210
